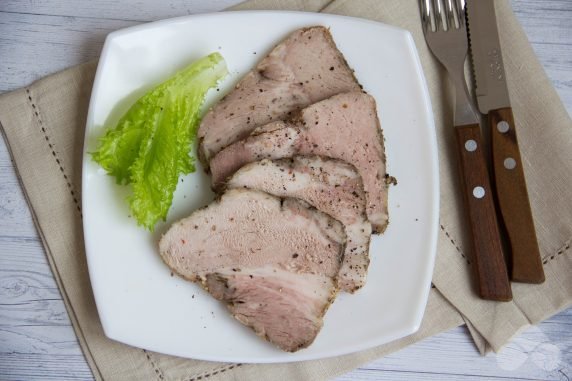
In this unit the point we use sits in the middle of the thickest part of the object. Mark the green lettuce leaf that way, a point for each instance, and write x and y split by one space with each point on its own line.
150 147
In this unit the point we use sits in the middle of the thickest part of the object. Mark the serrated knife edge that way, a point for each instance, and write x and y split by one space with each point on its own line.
486 56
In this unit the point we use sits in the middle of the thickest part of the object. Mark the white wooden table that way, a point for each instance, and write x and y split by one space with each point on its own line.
38 37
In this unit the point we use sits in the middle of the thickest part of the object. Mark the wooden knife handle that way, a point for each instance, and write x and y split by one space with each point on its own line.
489 263
526 264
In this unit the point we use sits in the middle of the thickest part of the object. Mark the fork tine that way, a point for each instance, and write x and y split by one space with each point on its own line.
429 18
450 14
437 15
425 21
460 8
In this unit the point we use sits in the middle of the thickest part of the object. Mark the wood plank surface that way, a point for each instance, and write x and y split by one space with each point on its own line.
37 342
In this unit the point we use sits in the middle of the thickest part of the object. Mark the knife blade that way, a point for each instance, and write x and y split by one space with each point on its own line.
493 99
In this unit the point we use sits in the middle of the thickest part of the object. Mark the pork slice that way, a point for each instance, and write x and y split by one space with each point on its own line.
248 228
304 68
330 185
284 307
248 246
344 127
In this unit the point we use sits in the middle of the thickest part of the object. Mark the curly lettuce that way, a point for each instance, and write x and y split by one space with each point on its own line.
150 146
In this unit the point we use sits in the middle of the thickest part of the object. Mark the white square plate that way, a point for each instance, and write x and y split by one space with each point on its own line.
140 303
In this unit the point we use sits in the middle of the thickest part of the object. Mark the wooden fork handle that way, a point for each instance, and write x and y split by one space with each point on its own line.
488 258
526 264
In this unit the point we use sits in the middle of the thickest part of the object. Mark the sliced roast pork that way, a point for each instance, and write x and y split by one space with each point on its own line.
330 185
285 308
303 69
272 260
343 127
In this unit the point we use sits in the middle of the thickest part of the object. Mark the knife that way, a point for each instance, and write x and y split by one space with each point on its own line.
493 99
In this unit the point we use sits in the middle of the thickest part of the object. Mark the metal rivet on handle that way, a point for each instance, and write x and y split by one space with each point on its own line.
509 163
479 192
502 126
470 145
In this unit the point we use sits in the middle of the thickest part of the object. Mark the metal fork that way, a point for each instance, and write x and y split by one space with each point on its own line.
446 35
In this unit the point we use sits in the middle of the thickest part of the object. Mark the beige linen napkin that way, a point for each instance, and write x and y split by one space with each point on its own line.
43 126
